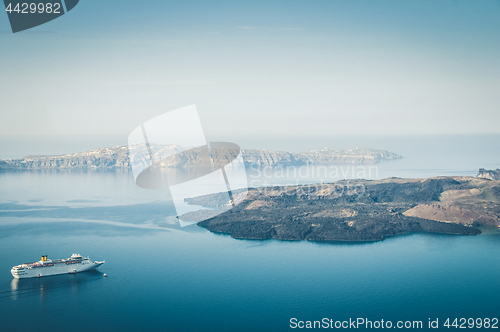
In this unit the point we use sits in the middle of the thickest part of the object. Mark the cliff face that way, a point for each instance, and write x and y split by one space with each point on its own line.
118 157
325 156
100 158
489 174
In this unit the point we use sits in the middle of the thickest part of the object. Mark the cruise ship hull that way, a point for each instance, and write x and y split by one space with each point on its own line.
50 268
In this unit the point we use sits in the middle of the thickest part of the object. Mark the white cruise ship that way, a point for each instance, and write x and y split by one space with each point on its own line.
46 267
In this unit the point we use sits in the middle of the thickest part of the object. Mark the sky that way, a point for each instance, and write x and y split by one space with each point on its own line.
274 68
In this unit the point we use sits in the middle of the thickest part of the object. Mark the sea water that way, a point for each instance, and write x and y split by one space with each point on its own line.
161 277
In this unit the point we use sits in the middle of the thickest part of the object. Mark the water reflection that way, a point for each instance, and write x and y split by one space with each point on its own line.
46 285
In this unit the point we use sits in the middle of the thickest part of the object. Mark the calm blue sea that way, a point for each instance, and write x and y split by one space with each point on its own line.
161 277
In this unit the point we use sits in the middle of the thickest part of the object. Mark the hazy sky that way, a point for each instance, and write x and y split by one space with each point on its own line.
260 67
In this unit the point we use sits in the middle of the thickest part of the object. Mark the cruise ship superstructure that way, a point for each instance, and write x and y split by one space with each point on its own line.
47 267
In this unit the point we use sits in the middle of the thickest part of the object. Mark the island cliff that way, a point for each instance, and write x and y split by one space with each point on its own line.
118 157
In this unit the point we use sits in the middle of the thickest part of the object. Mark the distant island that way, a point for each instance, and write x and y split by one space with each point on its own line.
489 174
118 157
359 210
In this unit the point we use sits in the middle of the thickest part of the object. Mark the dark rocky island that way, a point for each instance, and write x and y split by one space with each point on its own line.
358 210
